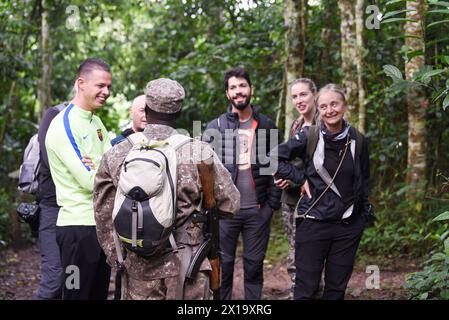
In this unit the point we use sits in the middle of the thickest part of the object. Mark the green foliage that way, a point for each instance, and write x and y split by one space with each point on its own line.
5 222
432 77
443 216
427 77
404 228
278 244
402 238
393 72
433 281
194 43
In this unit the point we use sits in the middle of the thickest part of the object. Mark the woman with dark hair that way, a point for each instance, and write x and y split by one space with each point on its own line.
331 219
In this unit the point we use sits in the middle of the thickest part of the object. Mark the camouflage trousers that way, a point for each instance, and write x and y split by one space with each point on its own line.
288 217
165 288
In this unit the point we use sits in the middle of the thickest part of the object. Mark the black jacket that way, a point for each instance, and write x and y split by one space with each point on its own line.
226 149
125 133
46 193
330 207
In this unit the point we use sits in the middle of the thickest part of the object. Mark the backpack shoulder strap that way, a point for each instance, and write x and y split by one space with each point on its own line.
178 140
61 106
312 140
314 134
137 138
358 141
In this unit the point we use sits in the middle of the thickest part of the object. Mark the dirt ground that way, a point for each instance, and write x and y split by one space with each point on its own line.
361 286
20 272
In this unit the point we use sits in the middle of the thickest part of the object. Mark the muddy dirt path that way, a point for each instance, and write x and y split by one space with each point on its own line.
20 273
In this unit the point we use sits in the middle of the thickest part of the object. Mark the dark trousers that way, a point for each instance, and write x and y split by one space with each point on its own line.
81 251
329 245
50 285
254 224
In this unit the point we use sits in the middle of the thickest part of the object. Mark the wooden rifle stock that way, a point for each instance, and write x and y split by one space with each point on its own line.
206 173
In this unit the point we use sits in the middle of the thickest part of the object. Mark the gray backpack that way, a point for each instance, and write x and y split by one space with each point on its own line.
29 168
145 203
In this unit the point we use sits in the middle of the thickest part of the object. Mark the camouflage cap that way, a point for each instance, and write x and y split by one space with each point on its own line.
164 95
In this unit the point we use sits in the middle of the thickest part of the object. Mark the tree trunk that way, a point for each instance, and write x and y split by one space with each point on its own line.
294 48
9 117
280 116
359 62
12 101
303 33
348 55
215 11
44 88
417 102
327 35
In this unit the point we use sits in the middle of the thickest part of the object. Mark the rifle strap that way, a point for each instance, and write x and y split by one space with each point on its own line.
184 257
118 294
312 141
120 276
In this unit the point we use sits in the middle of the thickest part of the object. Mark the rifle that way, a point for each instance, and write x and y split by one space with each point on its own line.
210 247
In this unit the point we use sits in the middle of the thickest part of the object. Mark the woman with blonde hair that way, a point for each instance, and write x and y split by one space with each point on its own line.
332 216
303 91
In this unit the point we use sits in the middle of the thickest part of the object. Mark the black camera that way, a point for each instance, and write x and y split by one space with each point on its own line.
29 213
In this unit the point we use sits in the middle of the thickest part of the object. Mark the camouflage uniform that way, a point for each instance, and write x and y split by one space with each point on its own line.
289 199
288 218
156 277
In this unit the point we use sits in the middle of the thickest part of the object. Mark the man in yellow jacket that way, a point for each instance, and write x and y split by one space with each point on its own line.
76 133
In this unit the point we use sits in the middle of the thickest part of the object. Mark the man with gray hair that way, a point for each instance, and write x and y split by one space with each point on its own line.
138 119
159 277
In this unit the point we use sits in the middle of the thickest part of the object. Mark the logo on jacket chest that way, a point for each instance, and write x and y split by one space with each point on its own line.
100 134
